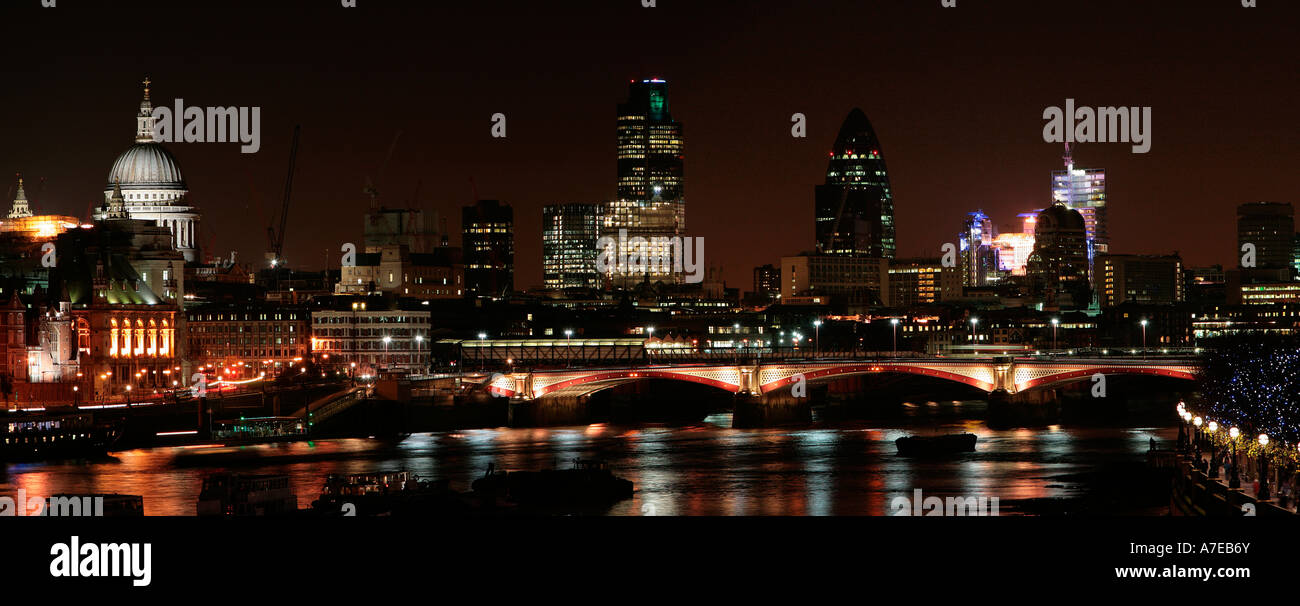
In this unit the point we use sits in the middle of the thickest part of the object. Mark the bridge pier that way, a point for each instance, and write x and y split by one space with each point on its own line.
1036 407
549 411
767 410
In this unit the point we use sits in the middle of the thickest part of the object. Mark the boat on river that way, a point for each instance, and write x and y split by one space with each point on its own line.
587 483
919 446
44 435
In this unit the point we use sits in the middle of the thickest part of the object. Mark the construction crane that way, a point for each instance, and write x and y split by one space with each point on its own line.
275 237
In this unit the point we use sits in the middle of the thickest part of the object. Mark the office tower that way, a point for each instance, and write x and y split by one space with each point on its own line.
488 243
569 234
922 282
1270 227
650 144
1084 190
1145 279
855 207
767 281
650 210
979 255
849 283
1058 267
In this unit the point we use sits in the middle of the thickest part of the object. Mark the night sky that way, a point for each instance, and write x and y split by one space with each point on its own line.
956 96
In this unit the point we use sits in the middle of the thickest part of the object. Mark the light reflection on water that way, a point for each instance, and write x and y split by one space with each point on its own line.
707 469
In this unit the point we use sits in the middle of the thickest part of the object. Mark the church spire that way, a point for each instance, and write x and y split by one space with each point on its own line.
116 204
20 208
144 119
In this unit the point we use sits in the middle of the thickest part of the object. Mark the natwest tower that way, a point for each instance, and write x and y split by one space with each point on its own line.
650 144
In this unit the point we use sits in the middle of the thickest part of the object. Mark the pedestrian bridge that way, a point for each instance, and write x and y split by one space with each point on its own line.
1013 375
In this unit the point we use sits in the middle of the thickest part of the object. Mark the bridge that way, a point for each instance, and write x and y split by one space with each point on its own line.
1004 373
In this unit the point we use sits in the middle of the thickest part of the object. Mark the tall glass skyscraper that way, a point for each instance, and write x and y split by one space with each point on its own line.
855 207
1084 190
651 201
569 234
650 144
488 240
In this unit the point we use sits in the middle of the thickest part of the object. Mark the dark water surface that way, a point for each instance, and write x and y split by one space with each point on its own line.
844 468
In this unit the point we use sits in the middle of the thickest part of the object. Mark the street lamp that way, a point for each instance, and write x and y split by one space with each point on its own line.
387 340
1263 494
651 331
894 323
1144 338
568 353
974 338
418 340
817 327
1197 422
482 356
1233 480
1055 322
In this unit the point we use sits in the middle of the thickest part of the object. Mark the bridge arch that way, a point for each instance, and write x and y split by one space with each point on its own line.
782 377
1044 377
587 383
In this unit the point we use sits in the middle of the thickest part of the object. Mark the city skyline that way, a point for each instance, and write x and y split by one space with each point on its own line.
349 131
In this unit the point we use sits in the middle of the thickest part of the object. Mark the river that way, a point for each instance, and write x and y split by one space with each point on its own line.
841 468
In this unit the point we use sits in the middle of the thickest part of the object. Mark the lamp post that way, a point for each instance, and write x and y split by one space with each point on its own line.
387 362
650 330
1197 423
817 336
1263 494
1213 427
1055 322
1144 338
974 338
1233 480
568 353
419 340
482 356
894 323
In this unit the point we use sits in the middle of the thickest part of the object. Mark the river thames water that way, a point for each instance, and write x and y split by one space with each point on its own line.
841 468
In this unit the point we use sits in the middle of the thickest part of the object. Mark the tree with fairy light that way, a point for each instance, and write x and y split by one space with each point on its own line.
1253 382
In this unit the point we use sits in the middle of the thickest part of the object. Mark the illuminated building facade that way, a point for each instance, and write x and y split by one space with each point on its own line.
1144 279
922 282
1270 293
488 243
122 283
855 206
253 337
369 334
21 221
569 234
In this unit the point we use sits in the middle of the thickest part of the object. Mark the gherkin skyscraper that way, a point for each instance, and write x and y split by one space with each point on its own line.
855 207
